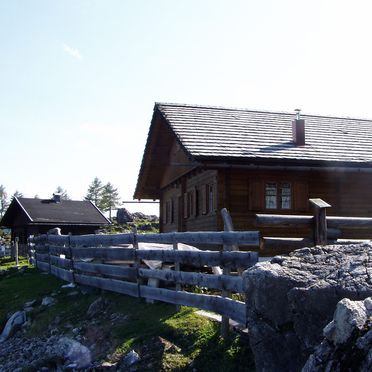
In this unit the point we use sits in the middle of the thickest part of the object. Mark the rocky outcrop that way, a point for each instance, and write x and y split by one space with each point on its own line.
123 216
291 299
348 340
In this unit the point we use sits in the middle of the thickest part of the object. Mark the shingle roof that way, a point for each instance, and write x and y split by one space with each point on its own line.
45 211
210 132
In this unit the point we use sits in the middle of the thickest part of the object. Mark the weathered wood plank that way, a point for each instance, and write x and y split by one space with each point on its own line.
222 282
57 250
225 306
248 238
62 273
113 285
287 243
41 248
42 257
111 270
61 262
269 220
104 253
201 258
359 222
100 239
57 239
44 266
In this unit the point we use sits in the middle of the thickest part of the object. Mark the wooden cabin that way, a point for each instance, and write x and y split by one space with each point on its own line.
28 216
199 159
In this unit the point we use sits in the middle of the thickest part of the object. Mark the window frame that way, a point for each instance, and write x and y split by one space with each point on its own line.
279 196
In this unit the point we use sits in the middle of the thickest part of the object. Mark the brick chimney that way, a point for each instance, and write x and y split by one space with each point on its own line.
298 130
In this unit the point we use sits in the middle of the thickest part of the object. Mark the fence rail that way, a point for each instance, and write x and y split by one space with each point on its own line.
325 229
88 260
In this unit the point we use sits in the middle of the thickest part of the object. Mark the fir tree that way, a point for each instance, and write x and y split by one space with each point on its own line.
110 198
94 193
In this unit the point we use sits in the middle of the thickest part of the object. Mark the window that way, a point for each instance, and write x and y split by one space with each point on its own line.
278 195
190 203
208 199
169 211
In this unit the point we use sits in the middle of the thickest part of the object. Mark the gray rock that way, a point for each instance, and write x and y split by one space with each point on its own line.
48 301
349 315
130 359
29 303
291 299
348 340
13 323
97 307
76 354
123 216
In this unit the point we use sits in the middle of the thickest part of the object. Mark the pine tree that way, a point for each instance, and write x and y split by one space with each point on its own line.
110 198
4 202
94 193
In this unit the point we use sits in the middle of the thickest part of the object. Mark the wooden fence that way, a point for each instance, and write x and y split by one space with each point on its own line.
114 262
325 229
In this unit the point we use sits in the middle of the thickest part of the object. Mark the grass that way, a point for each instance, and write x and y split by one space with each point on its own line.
9 263
165 339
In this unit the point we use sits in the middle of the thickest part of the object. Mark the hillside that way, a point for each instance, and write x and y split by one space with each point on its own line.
111 328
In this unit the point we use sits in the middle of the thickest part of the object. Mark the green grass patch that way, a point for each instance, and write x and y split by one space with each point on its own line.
9 263
17 288
165 339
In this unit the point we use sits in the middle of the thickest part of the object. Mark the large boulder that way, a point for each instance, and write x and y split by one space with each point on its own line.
291 299
123 216
13 324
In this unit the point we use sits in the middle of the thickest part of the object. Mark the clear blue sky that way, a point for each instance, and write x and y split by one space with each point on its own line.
79 78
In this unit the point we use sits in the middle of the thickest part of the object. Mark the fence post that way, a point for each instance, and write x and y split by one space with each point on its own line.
228 226
137 260
177 268
16 242
48 245
320 220
71 258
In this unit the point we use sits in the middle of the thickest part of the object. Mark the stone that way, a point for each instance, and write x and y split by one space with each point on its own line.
348 340
97 307
48 301
130 359
13 323
29 303
76 355
349 315
123 216
291 299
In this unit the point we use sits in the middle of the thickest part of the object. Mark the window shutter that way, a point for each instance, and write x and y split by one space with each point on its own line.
256 195
185 205
164 212
172 210
215 197
196 201
205 198
301 196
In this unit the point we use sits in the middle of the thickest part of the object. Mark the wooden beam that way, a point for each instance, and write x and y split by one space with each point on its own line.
221 282
108 284
279 220
225 306
201 258
103 269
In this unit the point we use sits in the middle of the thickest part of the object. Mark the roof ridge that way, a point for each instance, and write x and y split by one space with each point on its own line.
260 111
